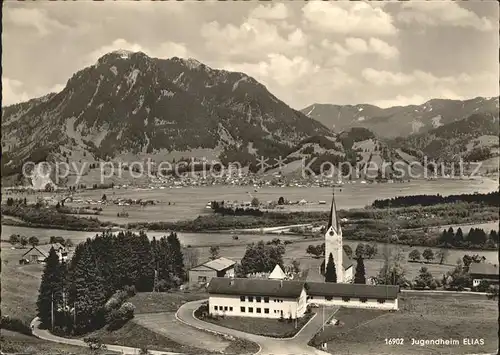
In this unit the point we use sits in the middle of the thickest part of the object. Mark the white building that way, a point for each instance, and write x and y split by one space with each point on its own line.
277 274
334 246
266 298
262 298
353 295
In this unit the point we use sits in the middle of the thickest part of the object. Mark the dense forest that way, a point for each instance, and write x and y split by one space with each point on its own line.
92 289
489 199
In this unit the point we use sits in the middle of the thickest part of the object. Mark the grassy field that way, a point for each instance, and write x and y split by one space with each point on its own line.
20 284
154 302
19 343
137 336
261 326
189 202
420 317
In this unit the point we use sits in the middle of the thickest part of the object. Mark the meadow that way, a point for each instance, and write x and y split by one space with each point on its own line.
189 202
421 317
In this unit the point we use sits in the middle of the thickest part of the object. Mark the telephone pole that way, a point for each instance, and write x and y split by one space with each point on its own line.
52 311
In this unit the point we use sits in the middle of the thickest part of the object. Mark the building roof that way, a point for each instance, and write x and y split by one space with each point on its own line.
277 273
255 287
219 264
346 260
483 269
352 290
45 248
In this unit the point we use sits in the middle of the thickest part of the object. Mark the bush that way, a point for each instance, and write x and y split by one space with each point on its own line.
118 317
131 291
16 325
116 300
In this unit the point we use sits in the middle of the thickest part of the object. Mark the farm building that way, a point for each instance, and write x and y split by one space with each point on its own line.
483 272
39 253
202 274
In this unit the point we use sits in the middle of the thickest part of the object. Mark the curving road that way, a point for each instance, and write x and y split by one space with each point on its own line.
46 335
268 346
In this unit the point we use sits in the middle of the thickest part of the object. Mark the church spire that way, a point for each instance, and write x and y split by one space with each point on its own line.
333 219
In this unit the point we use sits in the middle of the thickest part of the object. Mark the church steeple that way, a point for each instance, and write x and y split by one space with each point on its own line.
333 220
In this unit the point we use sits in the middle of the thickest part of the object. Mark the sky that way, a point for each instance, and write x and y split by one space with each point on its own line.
383 53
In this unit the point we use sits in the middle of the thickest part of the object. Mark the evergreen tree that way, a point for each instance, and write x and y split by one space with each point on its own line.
331 272
87 294
359 277
176 258
51 288
459 237
145 265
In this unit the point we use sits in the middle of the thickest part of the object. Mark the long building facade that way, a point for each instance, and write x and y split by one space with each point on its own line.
266 298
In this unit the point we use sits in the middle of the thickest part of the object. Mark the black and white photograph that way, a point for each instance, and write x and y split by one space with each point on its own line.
250 177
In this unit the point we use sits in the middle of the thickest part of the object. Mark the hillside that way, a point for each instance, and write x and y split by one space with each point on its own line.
400 121
357 153
473 139
129 106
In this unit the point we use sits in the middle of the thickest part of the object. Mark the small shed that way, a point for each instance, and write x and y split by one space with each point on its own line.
203 273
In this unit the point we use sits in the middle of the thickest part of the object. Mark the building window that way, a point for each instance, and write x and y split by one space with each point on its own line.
230 309
215 308
266 310
381 300
258 299
258 310
225 308
250 298
250 309
363 299
202 279
242 298
346 299
242 309
328 298
266 299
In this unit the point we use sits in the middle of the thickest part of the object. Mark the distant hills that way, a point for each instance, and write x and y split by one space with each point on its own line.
400 121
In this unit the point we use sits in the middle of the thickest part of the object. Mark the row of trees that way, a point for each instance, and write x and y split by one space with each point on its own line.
489 199
15 239
476 237
428 255
99 268
367 251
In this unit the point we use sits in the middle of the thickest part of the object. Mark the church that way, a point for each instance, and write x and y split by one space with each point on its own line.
277 297
333 245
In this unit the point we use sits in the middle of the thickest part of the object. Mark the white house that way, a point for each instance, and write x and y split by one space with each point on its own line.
353 295
39 253
262 298
277 274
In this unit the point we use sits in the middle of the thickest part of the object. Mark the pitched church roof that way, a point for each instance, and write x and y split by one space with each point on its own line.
333 220
277 273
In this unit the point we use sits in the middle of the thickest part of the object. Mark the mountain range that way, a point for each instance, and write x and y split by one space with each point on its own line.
129 106
400 121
